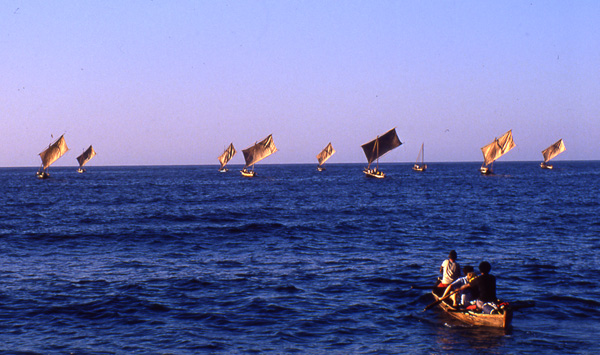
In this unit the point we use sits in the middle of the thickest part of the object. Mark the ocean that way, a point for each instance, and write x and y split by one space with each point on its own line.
187 260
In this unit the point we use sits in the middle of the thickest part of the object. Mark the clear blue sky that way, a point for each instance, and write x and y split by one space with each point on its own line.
174 82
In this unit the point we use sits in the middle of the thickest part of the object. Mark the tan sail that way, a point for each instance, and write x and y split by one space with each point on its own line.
227 155
498 148
381 145
53 152
86 156
259 151
553 150
325 154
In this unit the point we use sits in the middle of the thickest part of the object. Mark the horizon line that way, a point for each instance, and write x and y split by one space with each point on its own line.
273 164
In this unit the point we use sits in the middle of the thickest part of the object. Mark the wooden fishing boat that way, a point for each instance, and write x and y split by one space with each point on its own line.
550 152
248 173
325 154
377 148
502 319
256 153
86 156
495 150
50 155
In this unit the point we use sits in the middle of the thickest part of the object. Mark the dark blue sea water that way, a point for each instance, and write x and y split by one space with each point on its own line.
187 260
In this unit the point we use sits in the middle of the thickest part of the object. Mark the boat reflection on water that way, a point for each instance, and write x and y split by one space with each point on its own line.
455 336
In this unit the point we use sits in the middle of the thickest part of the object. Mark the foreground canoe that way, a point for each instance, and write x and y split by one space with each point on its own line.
501 320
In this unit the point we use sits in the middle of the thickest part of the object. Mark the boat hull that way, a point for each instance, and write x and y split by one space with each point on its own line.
543 165
421 168
374 173
42 175
484 170
320 168
248 173
223 170
81 170
502 320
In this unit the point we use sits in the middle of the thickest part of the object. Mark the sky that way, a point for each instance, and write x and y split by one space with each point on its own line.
174 82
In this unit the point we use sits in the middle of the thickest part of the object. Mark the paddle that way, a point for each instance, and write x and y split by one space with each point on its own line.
440 300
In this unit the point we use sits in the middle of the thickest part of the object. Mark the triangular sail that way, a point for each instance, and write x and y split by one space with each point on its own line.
53 152
325 154
86 156
553 150
259 151
421 155
227 155
498 148
381 145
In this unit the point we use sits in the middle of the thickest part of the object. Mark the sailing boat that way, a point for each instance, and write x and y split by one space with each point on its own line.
495 150
50 155
84 158
552 151
421 155
256 153
377 148
325 154
226 157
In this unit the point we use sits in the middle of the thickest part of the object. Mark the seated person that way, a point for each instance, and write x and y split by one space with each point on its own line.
450 270
484 287
465 295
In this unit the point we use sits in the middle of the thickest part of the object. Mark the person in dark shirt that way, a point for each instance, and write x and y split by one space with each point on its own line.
483 286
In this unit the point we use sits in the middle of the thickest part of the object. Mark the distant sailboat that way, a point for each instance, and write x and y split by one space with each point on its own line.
495 150
550 152
325 154
50 155
84 158
377 148
422 166
226 157
256 153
